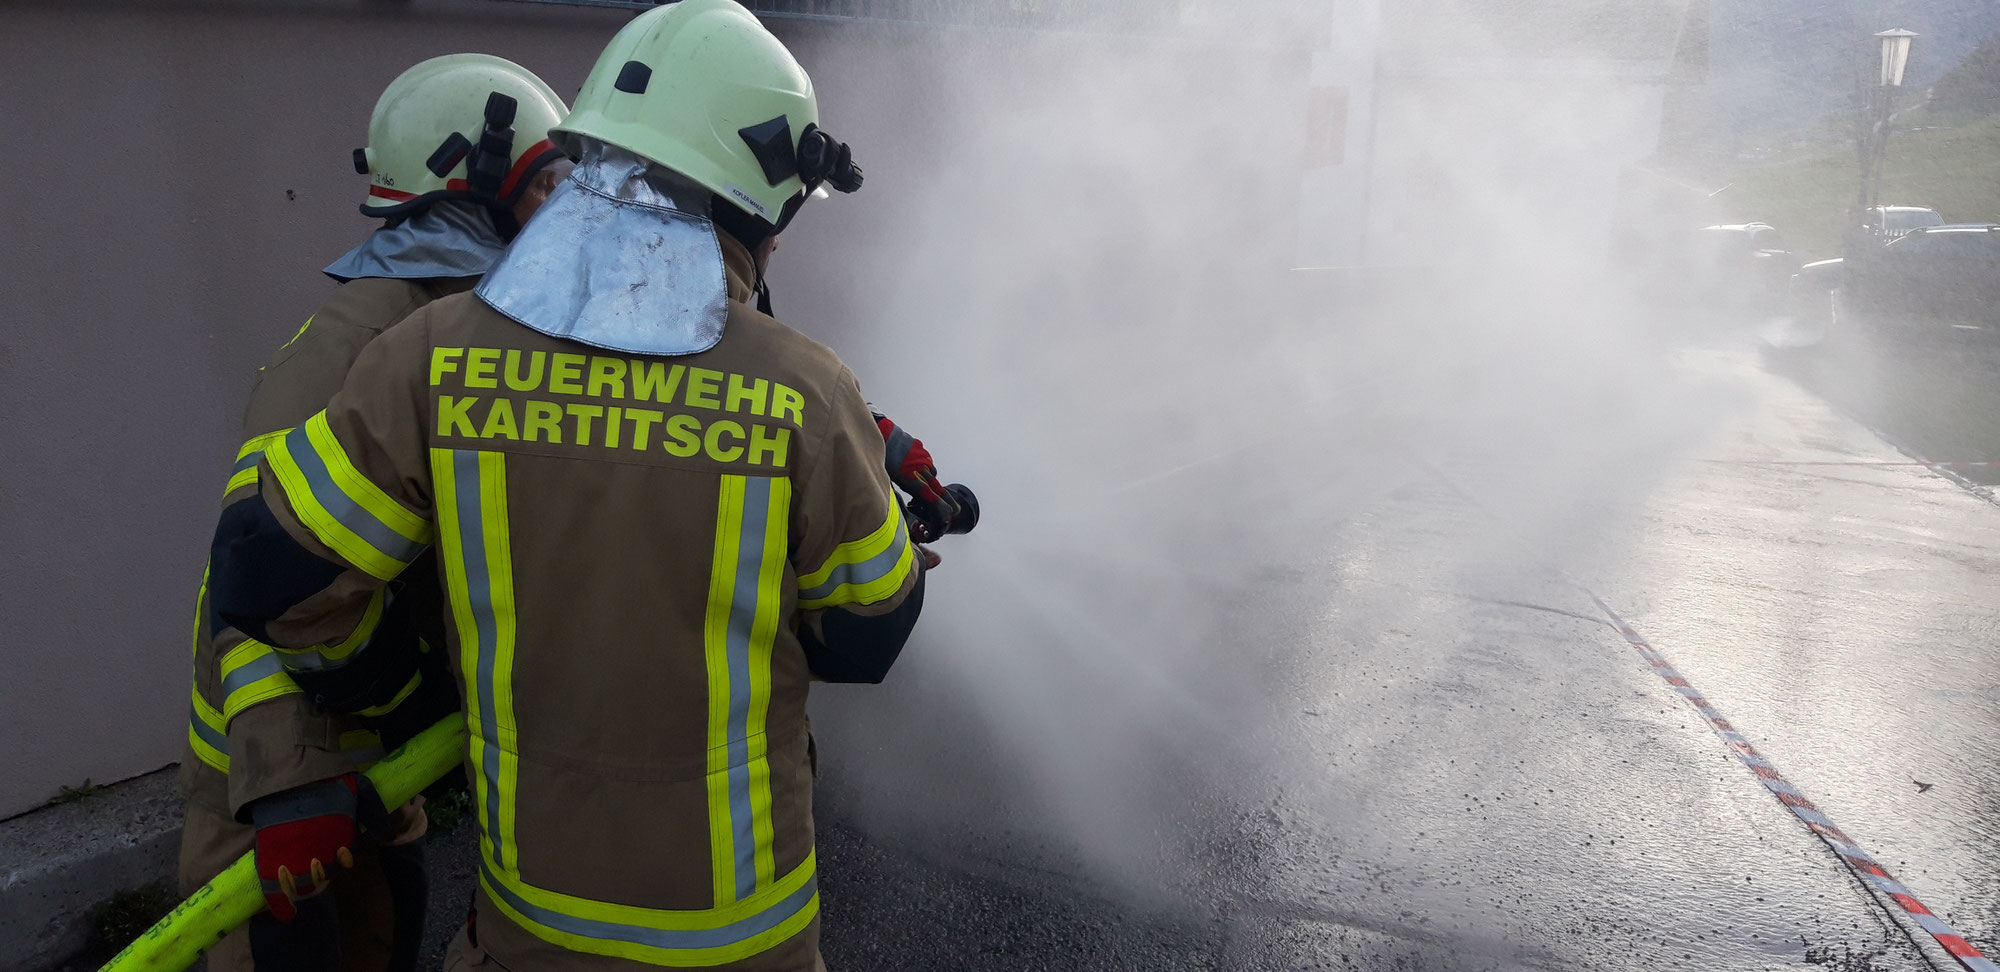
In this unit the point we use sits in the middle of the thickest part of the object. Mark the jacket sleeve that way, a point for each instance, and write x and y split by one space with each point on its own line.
342 507
279 724
859 579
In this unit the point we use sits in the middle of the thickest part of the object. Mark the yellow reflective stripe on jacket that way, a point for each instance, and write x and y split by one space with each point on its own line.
862 571
208 733
362 746
347 512
471 490
301 332
416 679
240 479
679 939
338 653
256 446
474 542
763 637
245 471
252 672
746 569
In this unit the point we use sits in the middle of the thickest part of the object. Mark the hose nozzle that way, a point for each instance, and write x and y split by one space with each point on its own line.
955 510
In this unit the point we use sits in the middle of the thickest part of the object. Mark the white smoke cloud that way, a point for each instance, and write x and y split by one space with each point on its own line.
1078 292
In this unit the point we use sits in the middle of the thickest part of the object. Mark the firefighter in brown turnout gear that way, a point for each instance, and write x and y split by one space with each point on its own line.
458 158
657 514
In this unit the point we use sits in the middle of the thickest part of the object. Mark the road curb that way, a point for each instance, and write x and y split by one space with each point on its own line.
59 861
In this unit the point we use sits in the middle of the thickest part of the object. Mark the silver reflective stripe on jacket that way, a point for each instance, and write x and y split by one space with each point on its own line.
622 256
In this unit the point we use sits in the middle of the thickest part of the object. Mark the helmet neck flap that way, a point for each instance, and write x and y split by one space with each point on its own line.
448 238
623 256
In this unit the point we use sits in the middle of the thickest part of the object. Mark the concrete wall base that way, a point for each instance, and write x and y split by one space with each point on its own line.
59 861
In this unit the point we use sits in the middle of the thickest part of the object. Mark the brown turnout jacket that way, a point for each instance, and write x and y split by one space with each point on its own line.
627 545
250 732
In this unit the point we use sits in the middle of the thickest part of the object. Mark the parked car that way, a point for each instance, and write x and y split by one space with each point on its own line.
1812 299
1930 278
1743 266
1948 273
1885 223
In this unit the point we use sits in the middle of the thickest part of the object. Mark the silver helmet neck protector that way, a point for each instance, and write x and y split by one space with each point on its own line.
622 257
446 239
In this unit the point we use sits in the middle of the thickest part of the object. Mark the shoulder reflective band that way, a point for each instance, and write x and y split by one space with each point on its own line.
244 473
347 512
744 595
861 571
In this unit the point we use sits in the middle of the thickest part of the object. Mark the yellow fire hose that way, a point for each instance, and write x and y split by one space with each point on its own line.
235 896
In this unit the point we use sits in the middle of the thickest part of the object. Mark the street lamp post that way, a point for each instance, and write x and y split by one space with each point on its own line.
1879 102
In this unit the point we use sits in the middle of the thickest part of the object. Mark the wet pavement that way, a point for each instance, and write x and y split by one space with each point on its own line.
1928 386
1437 755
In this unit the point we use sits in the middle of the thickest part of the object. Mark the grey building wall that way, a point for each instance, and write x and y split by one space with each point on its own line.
181 169
181 173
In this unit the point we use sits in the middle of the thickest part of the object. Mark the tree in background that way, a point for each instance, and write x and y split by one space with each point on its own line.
1971 89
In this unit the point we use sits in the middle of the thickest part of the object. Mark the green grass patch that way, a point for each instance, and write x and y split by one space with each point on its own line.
78 793
1954 170
449 811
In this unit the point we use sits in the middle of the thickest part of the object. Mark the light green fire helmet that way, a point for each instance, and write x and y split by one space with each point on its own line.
447 129
702 88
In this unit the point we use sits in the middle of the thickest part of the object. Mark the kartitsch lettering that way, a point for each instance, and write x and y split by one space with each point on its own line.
724 417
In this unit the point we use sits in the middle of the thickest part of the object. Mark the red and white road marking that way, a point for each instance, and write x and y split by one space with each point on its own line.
1793 799
1919 463
1815 820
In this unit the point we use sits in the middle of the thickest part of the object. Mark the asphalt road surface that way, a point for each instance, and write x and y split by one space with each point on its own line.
1451 760
1928 385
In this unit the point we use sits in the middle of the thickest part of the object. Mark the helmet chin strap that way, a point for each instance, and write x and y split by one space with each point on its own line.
751 232
486 166
762 289
504 222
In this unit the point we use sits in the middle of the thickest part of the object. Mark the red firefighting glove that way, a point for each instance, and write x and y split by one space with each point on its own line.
910 465
299 833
